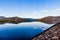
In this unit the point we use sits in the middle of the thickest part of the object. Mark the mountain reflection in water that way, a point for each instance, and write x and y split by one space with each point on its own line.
21 31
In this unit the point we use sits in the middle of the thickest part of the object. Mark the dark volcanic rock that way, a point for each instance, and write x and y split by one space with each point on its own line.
53 33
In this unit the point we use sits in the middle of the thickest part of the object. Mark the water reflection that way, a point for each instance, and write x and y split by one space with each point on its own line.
21 31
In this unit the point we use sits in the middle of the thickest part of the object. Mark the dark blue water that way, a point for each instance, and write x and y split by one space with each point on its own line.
21 31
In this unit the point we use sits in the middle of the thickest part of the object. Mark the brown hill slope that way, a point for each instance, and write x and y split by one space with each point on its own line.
50 19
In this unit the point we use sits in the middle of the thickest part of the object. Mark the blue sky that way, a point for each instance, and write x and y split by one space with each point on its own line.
30 8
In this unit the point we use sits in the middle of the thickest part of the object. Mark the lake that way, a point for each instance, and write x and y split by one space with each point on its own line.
21 31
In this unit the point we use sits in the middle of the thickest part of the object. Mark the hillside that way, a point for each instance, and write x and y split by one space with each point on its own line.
14 20
50 19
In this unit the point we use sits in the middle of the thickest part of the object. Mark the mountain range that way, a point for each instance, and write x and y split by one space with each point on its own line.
15 19
48 19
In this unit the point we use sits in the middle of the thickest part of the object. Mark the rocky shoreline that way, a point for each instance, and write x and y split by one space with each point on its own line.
52 33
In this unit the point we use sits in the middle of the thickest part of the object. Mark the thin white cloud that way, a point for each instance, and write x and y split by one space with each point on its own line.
45 11
58 9
35 12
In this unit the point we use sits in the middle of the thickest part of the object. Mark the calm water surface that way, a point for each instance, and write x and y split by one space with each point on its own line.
21 31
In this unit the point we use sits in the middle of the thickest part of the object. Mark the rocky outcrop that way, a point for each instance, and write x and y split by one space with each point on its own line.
50 19
53 33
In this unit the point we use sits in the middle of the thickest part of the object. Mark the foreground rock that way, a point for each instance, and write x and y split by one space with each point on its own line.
52 33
